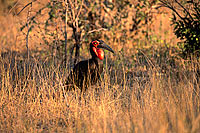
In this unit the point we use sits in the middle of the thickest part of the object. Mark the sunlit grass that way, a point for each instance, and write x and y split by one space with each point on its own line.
160 97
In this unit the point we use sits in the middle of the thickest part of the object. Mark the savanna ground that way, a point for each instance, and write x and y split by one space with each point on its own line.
144 88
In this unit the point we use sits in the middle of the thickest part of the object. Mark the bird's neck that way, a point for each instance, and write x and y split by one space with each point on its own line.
97 61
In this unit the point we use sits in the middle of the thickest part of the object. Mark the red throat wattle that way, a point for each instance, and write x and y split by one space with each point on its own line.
98 52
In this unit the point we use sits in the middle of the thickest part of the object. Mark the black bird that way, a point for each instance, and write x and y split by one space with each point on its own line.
88 72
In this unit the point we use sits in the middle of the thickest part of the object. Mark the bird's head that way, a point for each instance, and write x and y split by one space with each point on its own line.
96 51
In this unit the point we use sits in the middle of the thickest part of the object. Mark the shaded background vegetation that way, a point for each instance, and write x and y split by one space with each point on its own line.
147 86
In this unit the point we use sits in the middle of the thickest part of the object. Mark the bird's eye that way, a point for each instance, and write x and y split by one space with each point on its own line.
95 43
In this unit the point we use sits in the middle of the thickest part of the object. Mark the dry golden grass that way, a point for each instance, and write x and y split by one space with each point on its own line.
163 96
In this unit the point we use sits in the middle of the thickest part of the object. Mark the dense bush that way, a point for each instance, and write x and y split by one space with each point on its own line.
187 25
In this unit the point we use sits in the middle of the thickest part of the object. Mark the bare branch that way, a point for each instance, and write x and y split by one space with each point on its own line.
96 30
66 19
14 6
80 9
166 4
24 7
72 9
27 35
184 9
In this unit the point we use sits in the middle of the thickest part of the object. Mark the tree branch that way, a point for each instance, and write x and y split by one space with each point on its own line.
27 35
165 4
24 7
184 9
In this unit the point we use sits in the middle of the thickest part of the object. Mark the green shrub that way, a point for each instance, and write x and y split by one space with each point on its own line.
186 25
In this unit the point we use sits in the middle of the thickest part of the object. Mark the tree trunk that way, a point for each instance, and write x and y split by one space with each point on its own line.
77 36
66 17
77 54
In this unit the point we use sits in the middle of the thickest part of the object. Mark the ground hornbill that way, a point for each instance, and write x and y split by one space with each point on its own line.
88 72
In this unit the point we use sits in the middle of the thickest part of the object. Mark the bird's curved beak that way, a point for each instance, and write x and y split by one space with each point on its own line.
105 46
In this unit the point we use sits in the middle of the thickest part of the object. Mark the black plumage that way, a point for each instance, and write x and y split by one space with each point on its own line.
87 72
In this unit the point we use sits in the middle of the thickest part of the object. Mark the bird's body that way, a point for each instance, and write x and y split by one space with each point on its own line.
88 72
